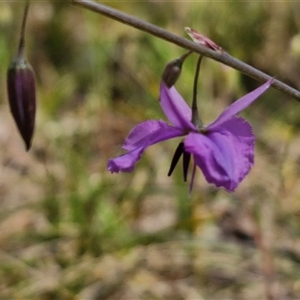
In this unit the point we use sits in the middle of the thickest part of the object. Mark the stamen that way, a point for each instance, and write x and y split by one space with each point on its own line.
179 150
192 180
186 162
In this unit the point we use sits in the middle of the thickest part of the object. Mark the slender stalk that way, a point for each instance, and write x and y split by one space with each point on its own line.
22 35
222 57
267 263
195 113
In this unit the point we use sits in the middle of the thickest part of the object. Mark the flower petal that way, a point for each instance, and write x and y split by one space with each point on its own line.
225 156
150 132
143 135
125 162
175 108
239 105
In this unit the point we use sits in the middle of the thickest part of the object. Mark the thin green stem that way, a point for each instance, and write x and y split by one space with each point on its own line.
220 56
23 26
195 113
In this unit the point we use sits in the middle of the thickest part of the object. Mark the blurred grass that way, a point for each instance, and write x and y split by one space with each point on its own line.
71 230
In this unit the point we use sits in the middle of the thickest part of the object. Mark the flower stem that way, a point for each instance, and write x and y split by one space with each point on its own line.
267 262
221 57
22 36
195 113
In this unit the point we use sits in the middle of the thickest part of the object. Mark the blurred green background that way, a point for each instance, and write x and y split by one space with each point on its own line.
71 230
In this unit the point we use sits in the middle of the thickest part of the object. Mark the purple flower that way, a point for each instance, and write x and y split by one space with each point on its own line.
223 150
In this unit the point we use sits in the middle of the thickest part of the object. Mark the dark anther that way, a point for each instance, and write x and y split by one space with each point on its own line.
179 150
186 162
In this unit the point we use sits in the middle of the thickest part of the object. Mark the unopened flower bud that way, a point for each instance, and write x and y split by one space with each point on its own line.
22 97
201 39
173 69
21 89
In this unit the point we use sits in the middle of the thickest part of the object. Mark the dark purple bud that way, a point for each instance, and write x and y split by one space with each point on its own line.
173 69
22 97
21 89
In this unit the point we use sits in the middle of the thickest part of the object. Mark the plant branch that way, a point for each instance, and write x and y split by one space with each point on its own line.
220 56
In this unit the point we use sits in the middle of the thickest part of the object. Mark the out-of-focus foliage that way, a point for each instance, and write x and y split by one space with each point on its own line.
71 230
